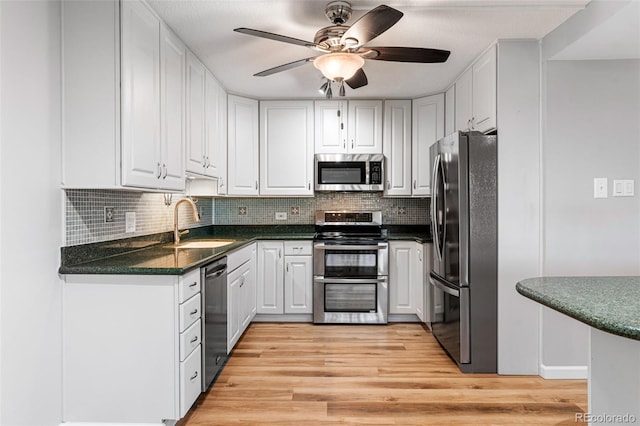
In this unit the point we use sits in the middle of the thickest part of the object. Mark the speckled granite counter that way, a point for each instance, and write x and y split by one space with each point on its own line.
610 304
153 255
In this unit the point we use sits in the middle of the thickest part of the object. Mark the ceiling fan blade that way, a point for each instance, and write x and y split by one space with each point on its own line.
359 79
284 67
371 25
276 37
407 54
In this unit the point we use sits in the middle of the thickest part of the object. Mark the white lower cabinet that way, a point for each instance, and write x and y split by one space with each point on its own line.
285 277
241 294
408 269
131 347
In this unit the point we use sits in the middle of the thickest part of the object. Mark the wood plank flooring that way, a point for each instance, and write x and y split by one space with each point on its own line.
301 374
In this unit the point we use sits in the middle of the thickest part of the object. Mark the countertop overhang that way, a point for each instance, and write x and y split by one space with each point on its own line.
610 304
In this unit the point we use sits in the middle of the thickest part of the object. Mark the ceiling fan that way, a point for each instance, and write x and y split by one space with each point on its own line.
343 47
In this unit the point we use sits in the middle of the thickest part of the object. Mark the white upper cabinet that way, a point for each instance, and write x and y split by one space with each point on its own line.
485 92
365 127
286 147
140 96
216 132
242 162
123 98
206 147
475 95
428 127
353 127
172 108
450 110
397 147
330 127
195 145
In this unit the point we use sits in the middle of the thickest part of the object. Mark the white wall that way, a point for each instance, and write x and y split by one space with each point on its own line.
592 128
31 210
518 203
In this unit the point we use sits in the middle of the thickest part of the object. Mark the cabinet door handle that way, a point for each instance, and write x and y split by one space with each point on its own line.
195 375
287 268
309 186
473 123
195 283
352 144
279 254
164 171
388 184
415 183
194 312
204 161
256 185
195 339
221 182
158 171
344 144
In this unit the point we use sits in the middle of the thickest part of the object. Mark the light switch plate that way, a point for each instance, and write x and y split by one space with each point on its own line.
623 188
130 222
600 188
281 215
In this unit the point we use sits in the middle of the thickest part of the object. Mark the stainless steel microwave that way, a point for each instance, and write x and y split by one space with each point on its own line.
349 172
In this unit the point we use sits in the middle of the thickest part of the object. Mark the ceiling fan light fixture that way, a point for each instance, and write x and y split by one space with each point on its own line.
323 89
338 65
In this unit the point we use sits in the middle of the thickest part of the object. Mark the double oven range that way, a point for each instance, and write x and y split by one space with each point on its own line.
350 268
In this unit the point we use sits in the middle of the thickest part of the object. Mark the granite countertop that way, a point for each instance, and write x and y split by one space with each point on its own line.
610 304
154 255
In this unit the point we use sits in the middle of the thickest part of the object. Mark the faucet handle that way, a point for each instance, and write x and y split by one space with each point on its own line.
186 231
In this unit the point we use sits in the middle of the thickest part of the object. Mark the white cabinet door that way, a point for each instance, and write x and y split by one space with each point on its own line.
286 147
270 277
195 115
242 146
428 127
172 107
397 147
140 54
484 92
419 275
235 281
450 110
298 285
475 95
218 147
365 127
330 127
464 101
210 121
401 277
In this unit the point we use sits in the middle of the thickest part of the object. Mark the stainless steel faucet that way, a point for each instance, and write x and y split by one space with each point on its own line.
176 232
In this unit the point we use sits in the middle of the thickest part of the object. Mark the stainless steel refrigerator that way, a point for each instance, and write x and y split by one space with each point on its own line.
464 224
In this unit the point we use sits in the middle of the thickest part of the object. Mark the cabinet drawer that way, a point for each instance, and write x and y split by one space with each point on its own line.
298 248
239 256
190 339
189 285
190 380
189 312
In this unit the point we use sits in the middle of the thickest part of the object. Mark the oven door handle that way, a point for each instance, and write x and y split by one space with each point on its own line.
350 280
323 246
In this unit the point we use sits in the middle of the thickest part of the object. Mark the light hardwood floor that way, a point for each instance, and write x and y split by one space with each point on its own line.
301 374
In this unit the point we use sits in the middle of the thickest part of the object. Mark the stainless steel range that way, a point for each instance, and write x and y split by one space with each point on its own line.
350 268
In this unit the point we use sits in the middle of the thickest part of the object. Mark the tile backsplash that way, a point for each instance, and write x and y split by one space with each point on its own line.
85 212
300 211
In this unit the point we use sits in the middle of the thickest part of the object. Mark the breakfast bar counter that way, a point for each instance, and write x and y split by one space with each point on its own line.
611 307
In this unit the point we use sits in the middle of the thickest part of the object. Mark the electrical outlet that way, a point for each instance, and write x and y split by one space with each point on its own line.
295 210
281 215
242 211
109 214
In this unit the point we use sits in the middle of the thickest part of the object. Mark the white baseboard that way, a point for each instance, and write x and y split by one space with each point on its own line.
564 371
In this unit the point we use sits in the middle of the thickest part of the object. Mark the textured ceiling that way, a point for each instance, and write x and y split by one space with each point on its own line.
465 28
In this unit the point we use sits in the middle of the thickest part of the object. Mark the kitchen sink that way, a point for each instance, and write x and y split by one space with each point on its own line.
202 244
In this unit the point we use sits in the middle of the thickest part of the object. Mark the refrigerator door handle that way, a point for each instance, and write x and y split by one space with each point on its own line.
441 286
434 207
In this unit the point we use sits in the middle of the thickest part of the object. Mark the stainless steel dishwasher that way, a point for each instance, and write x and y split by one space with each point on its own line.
214 309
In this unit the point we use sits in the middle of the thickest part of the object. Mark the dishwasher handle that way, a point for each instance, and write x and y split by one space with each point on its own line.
216 272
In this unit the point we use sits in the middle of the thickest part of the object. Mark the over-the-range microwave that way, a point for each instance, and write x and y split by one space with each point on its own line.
349 172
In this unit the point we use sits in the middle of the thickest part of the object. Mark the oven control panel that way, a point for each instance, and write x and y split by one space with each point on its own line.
375 172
